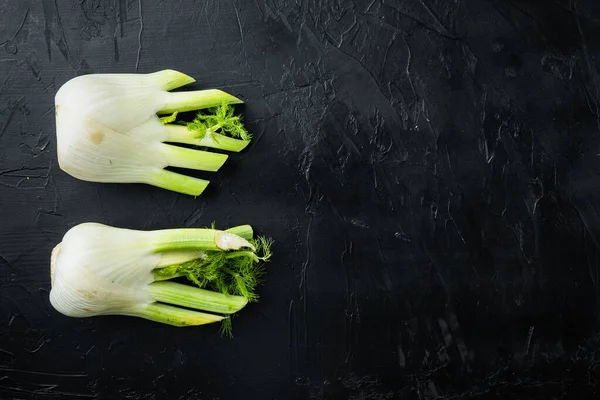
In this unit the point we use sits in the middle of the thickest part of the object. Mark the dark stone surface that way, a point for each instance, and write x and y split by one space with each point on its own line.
429 170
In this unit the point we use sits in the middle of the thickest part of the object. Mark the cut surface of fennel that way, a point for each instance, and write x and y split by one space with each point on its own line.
102 270
108 130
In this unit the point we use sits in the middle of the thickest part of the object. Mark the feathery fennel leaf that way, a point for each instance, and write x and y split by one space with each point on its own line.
226 327
220 119
236 272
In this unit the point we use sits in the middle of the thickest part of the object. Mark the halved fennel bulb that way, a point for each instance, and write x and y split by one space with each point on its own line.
108 129
101 270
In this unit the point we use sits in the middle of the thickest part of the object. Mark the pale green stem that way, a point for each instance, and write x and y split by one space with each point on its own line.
243 231
169 79
185 239
196 100
181 134
193 297
193 159
170 315
159 278
176 182
198 239
243 253
169 258
178 257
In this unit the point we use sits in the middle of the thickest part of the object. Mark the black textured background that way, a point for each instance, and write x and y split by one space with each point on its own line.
429 170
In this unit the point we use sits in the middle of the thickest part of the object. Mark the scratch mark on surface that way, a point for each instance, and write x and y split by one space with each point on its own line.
591 72
307 261
370 6
39 345
442 32
533 19
89 350
259 8
407 68
439 268
11 114
587 224
511 23
206 16
285 21
5 261
293 333
6 352
61 43
50 110
48 26
470 59
24 169
52 18
303 279
401 357
350 318
137 61
304 12
43 373
529 336
351 308
344 35
122 10
347 250
237 16
385 56
233 196
437 19
45 392
18 29
116 47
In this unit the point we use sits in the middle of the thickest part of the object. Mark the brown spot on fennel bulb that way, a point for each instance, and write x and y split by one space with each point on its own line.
97 137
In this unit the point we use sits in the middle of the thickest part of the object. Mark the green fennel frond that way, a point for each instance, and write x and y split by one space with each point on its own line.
235 272
220 119
263 245
226 327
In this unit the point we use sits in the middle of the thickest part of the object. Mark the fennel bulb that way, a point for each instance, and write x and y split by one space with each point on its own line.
108 130
101 270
